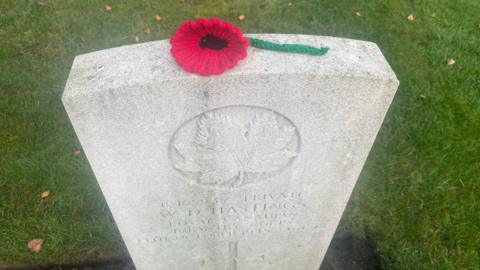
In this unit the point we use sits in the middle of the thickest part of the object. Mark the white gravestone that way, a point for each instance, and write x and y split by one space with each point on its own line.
249 170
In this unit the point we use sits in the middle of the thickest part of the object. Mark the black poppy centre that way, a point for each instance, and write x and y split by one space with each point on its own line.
213 42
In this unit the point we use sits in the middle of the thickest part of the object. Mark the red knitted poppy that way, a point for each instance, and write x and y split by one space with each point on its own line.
208 46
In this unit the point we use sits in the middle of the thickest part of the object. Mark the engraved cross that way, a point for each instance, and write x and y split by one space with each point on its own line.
231 261
232 255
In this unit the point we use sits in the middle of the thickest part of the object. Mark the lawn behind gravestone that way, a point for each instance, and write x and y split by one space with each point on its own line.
418 195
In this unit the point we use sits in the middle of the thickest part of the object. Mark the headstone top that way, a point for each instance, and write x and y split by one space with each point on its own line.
152 62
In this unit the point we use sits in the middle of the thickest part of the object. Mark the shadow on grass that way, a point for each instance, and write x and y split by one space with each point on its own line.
351 253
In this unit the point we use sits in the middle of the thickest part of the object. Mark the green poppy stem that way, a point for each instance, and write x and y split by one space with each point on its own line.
291 48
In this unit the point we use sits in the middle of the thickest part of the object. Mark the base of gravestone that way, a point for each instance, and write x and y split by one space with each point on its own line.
346 252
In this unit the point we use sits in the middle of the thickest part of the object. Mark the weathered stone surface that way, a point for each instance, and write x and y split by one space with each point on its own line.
244 171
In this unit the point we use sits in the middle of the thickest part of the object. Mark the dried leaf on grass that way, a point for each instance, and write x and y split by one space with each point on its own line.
77 153
35 245
45 194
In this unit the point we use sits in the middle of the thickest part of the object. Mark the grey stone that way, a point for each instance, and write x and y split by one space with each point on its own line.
248 170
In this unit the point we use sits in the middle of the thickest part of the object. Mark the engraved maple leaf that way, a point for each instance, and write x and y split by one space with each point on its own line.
230 150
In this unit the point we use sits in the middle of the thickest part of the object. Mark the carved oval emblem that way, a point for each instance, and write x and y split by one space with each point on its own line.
234 146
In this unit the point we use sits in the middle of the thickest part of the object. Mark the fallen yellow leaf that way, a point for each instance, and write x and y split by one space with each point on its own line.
358 13
290 4
108 8
450 61
434 14
241 17
158 18
137 39
35 245
410 17
45 194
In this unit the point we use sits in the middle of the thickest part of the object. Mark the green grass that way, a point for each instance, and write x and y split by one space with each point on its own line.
419 193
